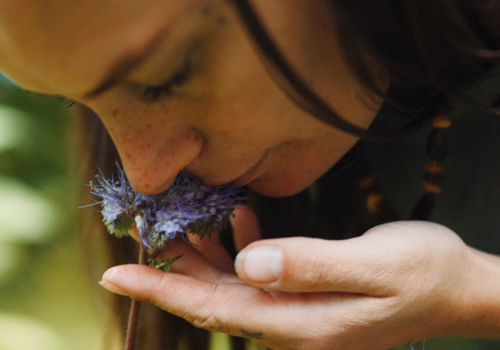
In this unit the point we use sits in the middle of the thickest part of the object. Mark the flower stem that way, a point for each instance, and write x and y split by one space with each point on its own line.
134 310
154 254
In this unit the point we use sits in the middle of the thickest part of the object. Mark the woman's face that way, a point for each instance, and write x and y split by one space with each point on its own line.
181 88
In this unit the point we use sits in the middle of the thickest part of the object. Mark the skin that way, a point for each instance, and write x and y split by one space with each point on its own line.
399 282
227 118
230 122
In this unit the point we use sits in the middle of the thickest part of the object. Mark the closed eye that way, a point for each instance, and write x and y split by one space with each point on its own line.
66 102
152 94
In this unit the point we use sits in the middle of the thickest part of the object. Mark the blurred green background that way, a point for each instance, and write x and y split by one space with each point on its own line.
45 295
45 298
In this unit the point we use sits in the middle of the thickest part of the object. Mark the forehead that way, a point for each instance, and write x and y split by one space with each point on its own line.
49 44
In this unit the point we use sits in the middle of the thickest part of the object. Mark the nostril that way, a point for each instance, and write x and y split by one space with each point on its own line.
152 171
150 188
190 175
148 182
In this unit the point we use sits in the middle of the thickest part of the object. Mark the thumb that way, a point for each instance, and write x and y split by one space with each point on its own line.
368 264
301 264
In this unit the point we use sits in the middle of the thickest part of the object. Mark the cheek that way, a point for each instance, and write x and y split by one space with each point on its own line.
294 166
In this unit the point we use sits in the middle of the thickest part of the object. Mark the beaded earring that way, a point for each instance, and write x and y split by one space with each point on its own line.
437 150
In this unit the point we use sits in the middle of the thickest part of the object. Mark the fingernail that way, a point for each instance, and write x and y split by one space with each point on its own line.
112 288
259 264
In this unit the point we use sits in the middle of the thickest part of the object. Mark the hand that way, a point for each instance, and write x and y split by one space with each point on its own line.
399 282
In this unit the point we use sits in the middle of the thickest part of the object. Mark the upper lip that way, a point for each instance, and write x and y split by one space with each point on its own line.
240 181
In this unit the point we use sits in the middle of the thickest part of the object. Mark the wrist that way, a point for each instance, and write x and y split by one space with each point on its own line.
477 301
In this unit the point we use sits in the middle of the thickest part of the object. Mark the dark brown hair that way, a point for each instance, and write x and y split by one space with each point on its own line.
431 50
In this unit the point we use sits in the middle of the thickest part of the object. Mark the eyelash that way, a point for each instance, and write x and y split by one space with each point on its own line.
152 94
66 102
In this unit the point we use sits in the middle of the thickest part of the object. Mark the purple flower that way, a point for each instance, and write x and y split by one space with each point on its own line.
187 205
120 203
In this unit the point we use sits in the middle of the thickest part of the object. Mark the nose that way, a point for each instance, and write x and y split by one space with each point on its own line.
152 152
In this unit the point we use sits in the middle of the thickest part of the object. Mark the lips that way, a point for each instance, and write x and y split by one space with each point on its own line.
250 175
241 181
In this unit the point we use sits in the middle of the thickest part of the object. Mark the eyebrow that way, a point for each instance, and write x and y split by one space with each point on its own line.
127 63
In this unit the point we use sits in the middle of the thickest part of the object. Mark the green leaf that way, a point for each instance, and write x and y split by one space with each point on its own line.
163 264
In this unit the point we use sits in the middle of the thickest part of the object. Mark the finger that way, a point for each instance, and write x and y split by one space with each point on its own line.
202 303
372 264
236 309
194 263
213 251
245 227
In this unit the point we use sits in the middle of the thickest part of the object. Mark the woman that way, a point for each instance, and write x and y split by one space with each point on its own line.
195 87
